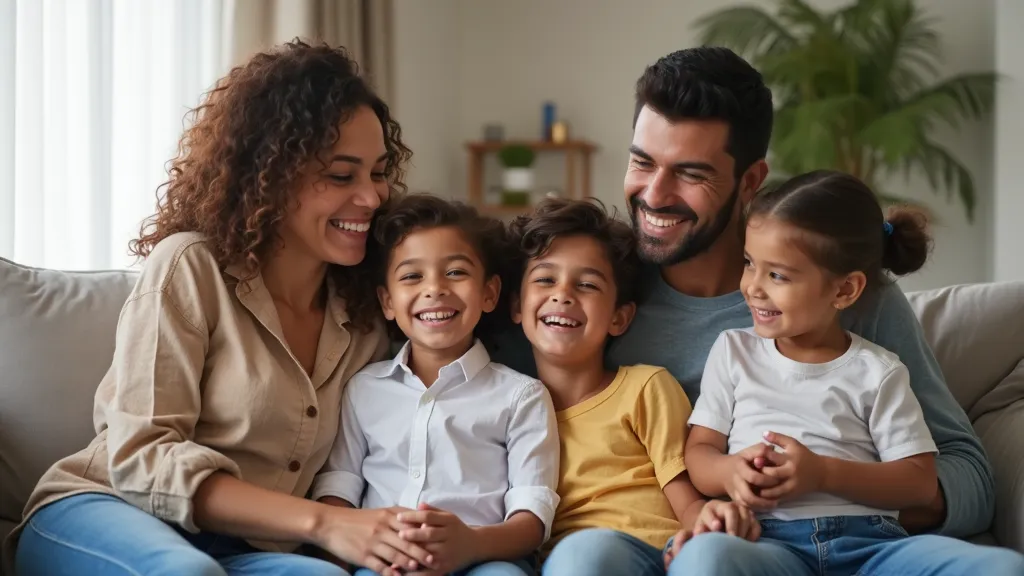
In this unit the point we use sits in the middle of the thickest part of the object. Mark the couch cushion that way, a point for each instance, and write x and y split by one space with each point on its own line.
976 332
56 342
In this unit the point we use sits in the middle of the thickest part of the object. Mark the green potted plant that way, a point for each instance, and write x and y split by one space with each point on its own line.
517 178
855 89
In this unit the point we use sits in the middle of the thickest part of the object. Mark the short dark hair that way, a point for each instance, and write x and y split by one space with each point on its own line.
404 214
850 231
712 83
555 218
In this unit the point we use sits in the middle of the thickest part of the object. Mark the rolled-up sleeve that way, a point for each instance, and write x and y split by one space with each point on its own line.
341 477
158 364
533 456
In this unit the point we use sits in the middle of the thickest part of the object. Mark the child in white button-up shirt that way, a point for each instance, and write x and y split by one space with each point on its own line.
468 446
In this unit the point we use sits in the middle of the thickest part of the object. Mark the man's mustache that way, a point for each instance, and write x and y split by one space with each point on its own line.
682 210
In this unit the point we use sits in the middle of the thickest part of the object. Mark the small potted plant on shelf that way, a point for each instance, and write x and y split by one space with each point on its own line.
518 175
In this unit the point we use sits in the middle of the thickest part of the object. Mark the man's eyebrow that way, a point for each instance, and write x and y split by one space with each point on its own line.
686 165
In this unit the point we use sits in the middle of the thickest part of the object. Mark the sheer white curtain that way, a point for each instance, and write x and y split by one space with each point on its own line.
93 98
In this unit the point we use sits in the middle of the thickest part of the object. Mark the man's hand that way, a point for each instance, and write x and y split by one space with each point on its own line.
748 482
797 470
448 539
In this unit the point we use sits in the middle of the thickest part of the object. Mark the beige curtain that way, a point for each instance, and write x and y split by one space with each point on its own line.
363 27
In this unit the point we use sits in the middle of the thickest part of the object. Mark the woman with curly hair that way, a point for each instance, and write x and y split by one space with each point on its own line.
251 313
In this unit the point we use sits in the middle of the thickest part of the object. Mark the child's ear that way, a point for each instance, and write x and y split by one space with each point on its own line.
516 306
849 289
622 318
385 302
492 290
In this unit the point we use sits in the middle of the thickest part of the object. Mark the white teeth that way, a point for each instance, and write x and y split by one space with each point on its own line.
661 222
767 313
351 226
435 315
560 320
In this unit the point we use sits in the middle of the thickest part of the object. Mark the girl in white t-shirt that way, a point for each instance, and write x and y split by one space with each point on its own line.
811 426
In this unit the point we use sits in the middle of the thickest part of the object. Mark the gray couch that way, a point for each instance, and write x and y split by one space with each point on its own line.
57 338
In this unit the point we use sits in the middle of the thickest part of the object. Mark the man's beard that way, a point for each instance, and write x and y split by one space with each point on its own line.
696 241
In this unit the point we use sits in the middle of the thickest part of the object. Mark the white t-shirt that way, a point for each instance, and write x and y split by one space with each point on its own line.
481 442
857 407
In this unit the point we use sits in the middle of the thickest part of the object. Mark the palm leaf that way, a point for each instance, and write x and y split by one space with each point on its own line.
746 30
937 162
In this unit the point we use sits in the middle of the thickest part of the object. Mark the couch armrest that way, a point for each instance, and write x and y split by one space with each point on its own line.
1001 430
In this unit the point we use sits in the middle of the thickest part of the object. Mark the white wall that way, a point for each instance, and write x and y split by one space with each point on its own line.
466 63
1008 231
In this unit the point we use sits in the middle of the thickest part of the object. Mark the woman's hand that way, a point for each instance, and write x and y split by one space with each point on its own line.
370 538
447 537
797 470
748 482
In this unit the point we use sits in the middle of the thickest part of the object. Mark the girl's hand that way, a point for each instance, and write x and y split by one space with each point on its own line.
729 517
797 469
448 539
748 481
370 538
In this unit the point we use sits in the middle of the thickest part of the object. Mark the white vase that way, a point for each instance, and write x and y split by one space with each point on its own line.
518 179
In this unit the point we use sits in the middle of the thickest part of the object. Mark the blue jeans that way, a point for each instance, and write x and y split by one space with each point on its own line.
606 552
495 568
872 545
100 535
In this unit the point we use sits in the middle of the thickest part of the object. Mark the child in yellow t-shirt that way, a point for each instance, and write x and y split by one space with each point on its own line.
623 484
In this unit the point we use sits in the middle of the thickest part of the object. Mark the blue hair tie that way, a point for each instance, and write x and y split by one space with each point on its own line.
887 227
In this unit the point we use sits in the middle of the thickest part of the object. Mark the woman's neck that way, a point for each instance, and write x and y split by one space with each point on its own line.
818 346
572 383
294 281
426 363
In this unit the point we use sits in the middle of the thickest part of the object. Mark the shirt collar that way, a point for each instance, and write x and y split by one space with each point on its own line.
250 287
470 364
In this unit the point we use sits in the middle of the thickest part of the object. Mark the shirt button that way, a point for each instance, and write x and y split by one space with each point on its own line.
311 411
294 466
415 473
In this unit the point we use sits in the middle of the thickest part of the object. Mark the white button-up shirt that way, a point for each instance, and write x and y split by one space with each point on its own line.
481 442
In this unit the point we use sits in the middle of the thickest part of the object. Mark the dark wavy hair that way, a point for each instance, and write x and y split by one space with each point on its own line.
712 83
250 140
847 230
409 213
555 218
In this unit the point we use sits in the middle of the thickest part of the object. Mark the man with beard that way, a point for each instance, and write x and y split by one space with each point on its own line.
702 124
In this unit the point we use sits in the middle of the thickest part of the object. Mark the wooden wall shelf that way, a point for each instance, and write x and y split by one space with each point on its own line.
577 154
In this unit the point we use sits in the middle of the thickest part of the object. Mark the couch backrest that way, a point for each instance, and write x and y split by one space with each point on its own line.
56 342
977 334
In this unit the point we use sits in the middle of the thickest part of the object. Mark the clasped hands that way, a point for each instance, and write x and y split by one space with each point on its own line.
759 478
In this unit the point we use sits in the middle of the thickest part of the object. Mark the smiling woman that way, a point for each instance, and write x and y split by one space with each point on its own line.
254 308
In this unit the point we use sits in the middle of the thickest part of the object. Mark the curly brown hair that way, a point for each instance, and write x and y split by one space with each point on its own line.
250 140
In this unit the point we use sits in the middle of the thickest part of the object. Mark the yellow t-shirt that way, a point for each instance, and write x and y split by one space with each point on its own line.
619 449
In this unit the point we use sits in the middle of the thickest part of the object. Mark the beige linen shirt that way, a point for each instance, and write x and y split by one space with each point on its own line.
202 380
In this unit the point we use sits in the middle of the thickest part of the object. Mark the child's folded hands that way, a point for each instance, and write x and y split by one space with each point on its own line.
718 516
443 534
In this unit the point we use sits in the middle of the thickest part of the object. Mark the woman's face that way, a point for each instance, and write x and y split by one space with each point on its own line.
330 218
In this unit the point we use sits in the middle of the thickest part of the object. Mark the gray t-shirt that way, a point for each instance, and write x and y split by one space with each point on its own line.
857 407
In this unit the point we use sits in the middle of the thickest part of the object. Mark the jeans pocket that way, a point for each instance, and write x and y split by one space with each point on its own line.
889 526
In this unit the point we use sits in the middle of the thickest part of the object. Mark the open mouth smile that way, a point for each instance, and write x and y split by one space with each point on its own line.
350 226
436 316
560 321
